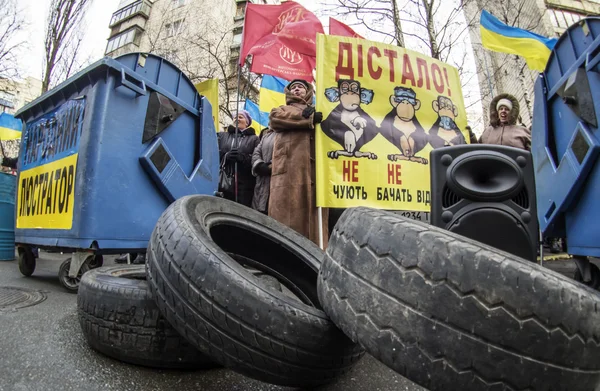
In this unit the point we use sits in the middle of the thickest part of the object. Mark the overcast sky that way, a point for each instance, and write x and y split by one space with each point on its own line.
96 26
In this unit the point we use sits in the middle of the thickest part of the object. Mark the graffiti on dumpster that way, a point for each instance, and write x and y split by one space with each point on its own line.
46 188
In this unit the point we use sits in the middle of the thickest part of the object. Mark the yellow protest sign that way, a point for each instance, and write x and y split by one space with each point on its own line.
384 109
210 90
46 195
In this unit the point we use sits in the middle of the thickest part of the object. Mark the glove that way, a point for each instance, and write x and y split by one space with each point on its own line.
318 118
234 155
263 169
306 113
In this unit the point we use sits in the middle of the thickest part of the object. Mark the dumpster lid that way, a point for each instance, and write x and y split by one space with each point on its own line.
156 72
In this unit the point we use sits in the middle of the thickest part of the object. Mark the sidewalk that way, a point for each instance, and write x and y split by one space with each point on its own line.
43 349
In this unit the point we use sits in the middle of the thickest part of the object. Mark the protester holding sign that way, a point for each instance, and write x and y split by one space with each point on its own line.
503 129
293 193
238 148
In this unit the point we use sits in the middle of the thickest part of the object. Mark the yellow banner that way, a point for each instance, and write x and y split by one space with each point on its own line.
210 90
46 195
384 109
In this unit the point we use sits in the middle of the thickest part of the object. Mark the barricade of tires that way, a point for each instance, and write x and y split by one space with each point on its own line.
225 285
235 286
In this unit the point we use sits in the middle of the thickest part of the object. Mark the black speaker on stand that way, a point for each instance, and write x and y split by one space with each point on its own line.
486 193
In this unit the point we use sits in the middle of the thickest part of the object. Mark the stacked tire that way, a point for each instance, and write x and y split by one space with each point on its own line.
223 285
450 313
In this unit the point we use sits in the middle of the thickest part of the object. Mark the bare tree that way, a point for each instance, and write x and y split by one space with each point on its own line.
202 52
380 17
63 40
11 24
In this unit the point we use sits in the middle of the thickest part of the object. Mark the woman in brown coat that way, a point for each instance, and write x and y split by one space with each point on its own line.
293 195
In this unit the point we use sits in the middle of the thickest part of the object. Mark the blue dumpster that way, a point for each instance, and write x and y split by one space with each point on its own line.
7 216
104 153
566 140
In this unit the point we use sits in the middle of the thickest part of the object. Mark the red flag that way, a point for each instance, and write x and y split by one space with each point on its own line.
338 28
282 40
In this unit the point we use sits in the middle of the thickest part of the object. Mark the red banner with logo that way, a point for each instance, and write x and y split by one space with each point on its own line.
340 29
282 40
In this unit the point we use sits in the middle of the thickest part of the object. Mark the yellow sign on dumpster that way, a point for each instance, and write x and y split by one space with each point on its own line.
46 195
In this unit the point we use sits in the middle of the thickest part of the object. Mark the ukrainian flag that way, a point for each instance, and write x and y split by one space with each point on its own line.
10 127
271 93
260 120
499 37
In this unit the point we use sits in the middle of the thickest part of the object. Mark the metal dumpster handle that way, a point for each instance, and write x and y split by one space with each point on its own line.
170 178
139 89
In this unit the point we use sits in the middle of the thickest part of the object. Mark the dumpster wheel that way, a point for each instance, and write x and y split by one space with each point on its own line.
451 313
71 283
594 283
26 261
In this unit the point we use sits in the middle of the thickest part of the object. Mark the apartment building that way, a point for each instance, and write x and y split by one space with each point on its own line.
201 37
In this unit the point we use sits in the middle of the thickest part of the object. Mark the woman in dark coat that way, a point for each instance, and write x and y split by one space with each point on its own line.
239 150
261 169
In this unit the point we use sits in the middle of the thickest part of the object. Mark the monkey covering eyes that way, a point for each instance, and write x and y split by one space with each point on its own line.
444 131
348 124
402 128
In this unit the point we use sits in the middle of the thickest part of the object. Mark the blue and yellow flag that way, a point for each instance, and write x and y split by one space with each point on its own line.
271 93
260 120
10 127
499 37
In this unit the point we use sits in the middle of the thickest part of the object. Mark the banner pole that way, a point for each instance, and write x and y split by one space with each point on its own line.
321 228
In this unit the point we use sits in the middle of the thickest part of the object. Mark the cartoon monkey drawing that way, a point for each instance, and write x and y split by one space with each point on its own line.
444 131
402 128
348 124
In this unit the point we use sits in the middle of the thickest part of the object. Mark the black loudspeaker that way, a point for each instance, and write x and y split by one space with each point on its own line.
486 193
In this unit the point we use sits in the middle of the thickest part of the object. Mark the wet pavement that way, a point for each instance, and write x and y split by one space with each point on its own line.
42 348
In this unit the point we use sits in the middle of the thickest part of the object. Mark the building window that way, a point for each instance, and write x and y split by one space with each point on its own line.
563 19
174 28
131 9
129 36
178 3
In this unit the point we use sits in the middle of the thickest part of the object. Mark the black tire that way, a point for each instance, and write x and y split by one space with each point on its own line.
450 313
228 312
26 261
71 284
119 318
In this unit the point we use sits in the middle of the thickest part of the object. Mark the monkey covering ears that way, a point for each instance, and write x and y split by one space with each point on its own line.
402 128
348 124
444 131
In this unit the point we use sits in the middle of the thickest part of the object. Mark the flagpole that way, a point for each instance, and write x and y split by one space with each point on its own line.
321 227
237 104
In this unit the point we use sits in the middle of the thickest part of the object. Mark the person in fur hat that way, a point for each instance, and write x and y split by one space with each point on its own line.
503 129
293 199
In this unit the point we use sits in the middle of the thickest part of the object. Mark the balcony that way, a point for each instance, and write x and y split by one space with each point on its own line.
141 7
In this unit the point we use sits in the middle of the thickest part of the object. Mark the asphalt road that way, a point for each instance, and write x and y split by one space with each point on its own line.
42 348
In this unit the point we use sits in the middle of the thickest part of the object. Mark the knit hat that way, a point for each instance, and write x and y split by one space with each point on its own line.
246 116
504 102
295 81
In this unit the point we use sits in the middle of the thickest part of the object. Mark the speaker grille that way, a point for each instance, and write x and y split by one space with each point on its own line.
522 199
449 198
